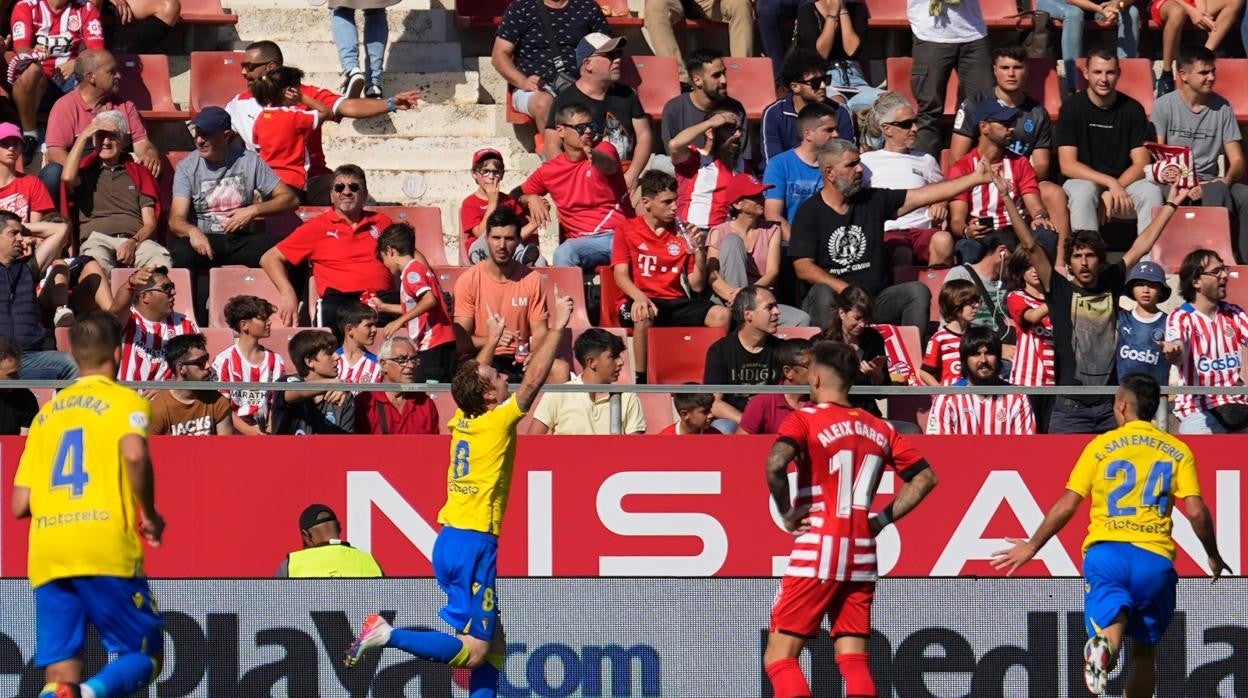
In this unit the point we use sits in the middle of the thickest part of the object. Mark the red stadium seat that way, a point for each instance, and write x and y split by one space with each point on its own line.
164 182
145 81
752 83
656 79
279 341
910 408
1233 85
205 12
447 276
888 14
571 282
1002 14
610 297
1237 286
618 14
226 282
479 13
216 77
626 373
1192 228
426 220
218 339
183 301
658 410
1136 80
516 117
678 354
931 277
798 332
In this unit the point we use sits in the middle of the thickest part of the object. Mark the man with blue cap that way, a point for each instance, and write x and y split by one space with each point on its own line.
1142 330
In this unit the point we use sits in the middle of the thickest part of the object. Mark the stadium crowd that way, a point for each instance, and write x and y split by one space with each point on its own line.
847 212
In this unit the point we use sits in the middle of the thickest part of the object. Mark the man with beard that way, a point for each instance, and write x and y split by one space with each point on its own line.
969 211
708 77
703 173
838 238
981 415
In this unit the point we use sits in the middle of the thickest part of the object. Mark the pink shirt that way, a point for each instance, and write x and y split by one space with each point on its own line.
756 263
71 116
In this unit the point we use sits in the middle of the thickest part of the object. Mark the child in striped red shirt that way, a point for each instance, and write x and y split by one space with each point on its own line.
249 360
942 363
357 326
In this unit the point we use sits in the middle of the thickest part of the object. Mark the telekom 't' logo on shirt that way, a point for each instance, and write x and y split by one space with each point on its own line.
647 262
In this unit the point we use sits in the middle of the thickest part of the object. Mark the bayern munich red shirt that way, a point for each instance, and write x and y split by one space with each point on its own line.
1211 353
657 260
841 455
343 255
143 345
433 328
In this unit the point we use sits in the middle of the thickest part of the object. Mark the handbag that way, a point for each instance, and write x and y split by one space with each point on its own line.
564 76
1036 44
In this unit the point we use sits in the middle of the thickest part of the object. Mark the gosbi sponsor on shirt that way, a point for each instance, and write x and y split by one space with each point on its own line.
433 328
1211 355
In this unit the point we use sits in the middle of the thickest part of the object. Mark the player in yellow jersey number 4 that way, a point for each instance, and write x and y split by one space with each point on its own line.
85 481
465 556
1135 473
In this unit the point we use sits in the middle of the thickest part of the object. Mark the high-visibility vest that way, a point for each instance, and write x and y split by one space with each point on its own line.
333 560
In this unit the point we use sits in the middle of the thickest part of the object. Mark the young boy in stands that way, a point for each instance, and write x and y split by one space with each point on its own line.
487 172
357 325
313 411
421 307
248 360
694 410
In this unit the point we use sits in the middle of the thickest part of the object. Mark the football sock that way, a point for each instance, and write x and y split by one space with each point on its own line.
787 680
857 675
483 682
431 645
121 677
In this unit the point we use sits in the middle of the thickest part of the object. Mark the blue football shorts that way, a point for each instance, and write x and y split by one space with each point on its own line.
1124 577
120 608
466 564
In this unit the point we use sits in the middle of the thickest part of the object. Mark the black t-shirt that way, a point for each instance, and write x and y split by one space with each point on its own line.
680 113
522 26
728 363
1085 329
1033 130
849 246
809 26
613 115
1103 137
18 408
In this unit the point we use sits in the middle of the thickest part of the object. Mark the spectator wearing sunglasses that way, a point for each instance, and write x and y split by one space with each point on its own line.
385 412
806 75
488 171
182 412
615 108
341 247
586 183
144 306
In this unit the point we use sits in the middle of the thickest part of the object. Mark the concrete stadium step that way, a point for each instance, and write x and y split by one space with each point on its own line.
425 121
449 184
374 152
303 23
320 56
452 87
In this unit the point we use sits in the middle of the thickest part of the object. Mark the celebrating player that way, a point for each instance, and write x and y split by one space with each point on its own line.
1134 473
465 556
840 452
84 475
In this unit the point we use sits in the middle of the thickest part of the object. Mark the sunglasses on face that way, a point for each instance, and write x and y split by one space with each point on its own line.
403 360
490 173
341 186
612 55
166 289
904 123
12 144
582 129
252 66
816 82
201 362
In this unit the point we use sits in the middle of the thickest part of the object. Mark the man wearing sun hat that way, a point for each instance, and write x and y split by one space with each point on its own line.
614 108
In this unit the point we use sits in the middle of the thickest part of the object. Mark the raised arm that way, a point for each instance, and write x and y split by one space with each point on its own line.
678 147
544 357
943 191
1059 515
1202 525
1039 258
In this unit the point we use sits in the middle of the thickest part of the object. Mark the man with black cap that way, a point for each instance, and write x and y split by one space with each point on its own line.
214 202
324 552
614 108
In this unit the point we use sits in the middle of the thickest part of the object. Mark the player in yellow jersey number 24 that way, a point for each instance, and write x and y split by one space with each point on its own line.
465 556
85 481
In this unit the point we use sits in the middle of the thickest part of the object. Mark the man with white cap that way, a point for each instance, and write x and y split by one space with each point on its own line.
614 108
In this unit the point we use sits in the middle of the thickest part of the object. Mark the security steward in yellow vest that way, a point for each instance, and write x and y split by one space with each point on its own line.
324 552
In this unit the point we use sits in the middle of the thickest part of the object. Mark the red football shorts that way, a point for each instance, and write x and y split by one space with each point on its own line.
802 602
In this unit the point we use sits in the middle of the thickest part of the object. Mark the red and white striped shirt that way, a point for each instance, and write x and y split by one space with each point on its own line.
900 363
431 329
231 366
944 356
981 415
143 345
366 369
1211 353
984 199
1033 360
701 194
841 454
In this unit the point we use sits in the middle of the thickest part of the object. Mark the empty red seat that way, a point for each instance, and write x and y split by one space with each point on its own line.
183 301
656 79
798 332
279 341
752 83
217 339
145 81
226 282
447 276
677 355
658 410
1135 81
1233 85
1193 228
571 282
888 14
205 12
610 297
1237 286
216 77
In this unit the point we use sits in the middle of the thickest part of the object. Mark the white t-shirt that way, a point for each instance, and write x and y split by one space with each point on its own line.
888 170
957 24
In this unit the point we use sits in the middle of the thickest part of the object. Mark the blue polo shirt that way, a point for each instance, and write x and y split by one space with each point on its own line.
793 181
780 126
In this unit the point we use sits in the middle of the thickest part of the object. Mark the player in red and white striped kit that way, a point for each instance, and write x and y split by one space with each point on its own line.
249 360
981 415
144 305
1203 338
840 453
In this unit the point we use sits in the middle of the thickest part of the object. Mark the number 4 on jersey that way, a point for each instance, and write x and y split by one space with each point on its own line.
854 492
67 469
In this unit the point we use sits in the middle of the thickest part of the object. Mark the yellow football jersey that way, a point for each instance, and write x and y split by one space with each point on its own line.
82 510
1134 473
483 454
